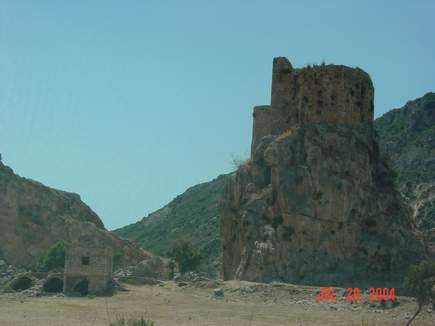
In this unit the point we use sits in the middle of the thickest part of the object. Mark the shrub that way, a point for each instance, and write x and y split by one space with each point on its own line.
54 258
186 255
238 161
420 282
132 322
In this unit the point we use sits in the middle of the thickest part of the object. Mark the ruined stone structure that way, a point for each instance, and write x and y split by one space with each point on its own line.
316 204
87 270
326 93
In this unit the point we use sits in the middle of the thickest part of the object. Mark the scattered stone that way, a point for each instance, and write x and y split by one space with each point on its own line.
181 284
138 280
245 290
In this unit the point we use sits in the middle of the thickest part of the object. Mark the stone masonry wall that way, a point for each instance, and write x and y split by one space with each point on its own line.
97 272
325 93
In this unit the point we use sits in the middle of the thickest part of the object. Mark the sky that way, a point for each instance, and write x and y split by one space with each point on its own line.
129 103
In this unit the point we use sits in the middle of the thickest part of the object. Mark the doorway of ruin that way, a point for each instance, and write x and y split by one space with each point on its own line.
82 287
21 283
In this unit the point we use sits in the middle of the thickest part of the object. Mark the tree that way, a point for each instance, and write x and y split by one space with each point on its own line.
171 266
54 258
186 255
420 282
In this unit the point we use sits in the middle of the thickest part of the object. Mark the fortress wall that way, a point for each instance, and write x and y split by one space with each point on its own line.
325 93
335 94
262 123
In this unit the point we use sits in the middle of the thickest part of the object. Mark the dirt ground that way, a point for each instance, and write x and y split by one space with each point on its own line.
243 304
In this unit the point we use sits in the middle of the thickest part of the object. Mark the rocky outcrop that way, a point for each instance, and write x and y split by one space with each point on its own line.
33 217
317 202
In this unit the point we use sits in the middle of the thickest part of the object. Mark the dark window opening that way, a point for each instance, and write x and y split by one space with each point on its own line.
85 260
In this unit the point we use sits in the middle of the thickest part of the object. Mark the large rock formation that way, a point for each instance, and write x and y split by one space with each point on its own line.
33 217
317 202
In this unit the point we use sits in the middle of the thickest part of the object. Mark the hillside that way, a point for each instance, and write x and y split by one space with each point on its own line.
33 217
191 216
407 135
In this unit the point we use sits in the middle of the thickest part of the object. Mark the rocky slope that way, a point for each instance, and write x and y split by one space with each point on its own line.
408 136
317 203
33 217
191 216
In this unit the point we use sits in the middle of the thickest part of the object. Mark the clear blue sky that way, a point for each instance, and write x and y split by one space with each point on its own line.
128 103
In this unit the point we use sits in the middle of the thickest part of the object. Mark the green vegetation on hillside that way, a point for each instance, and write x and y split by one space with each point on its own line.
186 255
192 216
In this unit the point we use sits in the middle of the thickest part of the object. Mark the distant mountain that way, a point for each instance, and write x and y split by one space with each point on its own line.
191 216
33 217
408 136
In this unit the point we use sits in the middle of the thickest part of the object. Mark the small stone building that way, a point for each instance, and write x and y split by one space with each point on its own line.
88 270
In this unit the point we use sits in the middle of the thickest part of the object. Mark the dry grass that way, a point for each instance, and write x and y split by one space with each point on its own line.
284 135
238 162
171 305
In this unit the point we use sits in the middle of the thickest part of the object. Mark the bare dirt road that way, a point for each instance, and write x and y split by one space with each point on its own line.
243 304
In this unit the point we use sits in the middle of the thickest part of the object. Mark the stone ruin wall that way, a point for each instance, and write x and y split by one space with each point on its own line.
100 261
98 273
325 93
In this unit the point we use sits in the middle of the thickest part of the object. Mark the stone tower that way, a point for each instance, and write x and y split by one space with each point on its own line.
326 93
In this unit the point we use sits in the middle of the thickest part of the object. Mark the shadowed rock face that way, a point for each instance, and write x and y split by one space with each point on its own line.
33 217
317 203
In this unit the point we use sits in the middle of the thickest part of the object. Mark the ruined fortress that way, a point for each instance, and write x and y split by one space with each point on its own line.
316 204
325 93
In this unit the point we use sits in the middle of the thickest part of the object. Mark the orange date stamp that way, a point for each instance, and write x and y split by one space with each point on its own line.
329 294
